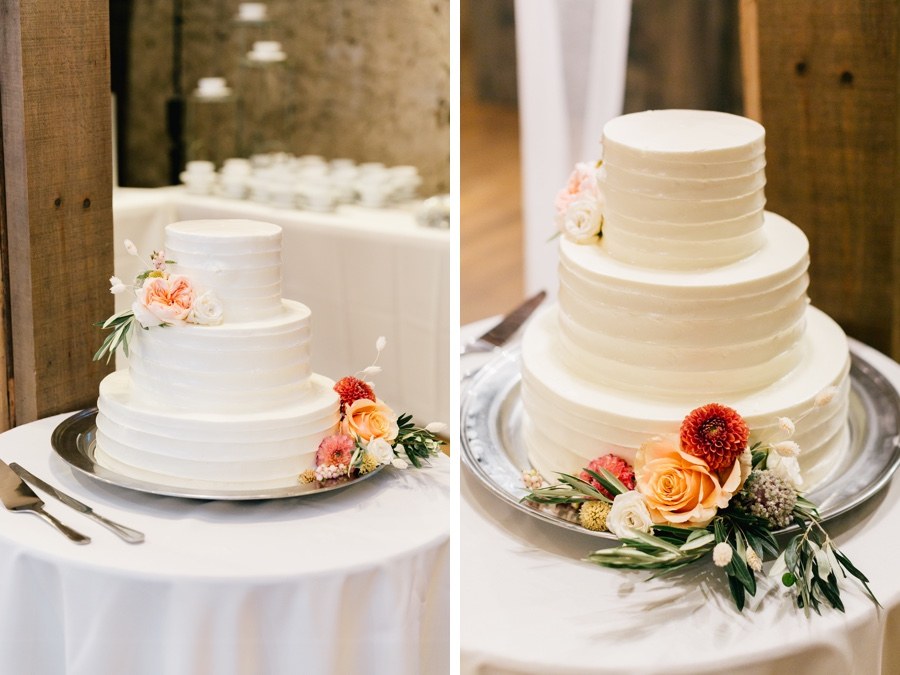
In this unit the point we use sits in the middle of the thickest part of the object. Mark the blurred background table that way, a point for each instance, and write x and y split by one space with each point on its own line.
363 272
351 581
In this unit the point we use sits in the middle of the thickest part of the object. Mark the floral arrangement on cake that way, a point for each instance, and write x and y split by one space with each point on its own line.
707 494
370 433
580 204
160 299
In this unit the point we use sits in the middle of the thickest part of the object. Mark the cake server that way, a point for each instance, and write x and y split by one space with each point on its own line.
125 533
18 497
503 331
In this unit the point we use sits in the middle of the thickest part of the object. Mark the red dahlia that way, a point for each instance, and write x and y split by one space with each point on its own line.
716 434
335 450
617 466
351 389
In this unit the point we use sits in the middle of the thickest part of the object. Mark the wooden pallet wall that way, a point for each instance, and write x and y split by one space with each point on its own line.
56 222
823 77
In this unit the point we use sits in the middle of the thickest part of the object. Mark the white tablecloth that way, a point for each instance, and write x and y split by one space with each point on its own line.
363 273
531 605
351 581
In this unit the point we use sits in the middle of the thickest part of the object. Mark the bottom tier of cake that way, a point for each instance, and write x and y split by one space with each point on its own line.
570 420
161 443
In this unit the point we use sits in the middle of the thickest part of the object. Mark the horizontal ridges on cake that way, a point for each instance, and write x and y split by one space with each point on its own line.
239 260
231 367
669 171
572 418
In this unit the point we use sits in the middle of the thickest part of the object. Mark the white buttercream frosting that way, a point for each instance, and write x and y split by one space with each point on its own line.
232 405
683 188
694 294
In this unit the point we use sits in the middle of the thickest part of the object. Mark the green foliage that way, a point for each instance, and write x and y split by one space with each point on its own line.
120 327
420 445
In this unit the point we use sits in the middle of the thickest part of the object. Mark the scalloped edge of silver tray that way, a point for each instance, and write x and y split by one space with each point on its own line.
74 440
490 431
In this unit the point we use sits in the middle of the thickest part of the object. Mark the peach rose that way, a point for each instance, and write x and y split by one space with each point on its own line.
164 300
582 184
369 419
680 489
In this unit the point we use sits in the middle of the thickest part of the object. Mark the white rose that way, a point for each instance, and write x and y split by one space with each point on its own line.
206 310
581 222
381 450
629 512
786 468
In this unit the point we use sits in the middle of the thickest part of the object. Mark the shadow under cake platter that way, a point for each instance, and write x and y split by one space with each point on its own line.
74 440
491 413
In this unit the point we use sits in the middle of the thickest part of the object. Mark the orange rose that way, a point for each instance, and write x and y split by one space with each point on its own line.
369 419
680 489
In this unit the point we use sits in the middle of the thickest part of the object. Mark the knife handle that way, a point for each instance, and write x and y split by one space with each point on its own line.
126 533
74 535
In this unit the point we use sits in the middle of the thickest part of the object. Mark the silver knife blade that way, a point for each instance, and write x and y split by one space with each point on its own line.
128 534
499 334
18 498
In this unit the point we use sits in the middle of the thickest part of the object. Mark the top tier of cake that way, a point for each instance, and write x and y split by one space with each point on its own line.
239 260
683 188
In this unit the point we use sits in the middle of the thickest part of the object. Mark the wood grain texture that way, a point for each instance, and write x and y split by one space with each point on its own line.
491 255
54 90
828 97
7 414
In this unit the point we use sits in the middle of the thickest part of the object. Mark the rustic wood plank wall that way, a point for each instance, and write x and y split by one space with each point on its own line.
822 76
55 98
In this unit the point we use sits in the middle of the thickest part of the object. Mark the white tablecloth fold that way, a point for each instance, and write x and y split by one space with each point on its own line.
530 604
351 581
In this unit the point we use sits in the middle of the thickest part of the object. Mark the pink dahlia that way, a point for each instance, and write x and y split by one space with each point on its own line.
716 434
617 466
351 389
334 450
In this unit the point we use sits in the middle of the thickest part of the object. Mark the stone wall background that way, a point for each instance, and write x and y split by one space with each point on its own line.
371 79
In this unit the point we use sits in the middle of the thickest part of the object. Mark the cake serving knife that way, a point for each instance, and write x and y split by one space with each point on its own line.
19 498
125 533
509 324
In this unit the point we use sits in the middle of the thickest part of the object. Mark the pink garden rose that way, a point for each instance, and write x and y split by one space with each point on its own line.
582 185
163 300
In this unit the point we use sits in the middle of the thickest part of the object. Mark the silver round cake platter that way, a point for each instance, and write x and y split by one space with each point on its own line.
492 447
75 439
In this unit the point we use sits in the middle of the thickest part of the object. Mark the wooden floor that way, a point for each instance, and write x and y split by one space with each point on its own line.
491 276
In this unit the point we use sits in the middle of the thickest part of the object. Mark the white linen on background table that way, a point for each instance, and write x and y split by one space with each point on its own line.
350 581
363 272
530 604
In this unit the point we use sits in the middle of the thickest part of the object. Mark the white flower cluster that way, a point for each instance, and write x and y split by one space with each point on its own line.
325 472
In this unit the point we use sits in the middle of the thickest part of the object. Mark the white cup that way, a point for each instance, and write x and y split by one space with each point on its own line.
252 11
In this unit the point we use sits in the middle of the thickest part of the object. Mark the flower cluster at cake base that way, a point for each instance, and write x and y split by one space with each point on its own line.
580 204
160 299
708 494
371 434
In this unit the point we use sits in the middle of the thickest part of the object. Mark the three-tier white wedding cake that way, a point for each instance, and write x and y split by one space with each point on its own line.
693 294
232 405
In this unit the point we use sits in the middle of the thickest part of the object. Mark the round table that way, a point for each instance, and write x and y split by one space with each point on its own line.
530 604
349 581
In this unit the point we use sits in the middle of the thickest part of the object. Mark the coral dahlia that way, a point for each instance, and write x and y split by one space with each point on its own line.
335 450
351 389
716 434
617 466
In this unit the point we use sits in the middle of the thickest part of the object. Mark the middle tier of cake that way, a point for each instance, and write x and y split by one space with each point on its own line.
683 334
233 367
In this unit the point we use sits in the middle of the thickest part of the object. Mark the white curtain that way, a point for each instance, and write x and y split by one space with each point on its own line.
572 56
